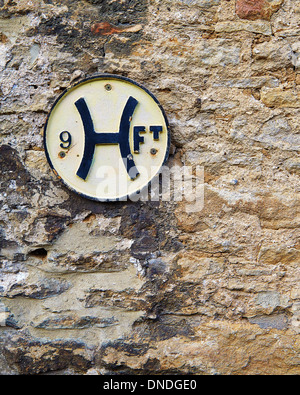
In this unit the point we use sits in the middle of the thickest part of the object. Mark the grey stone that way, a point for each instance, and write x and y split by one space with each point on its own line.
275 321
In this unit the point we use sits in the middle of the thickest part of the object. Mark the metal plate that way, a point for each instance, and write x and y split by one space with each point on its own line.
106 138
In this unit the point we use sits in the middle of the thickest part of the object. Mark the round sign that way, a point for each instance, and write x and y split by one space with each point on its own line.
106 138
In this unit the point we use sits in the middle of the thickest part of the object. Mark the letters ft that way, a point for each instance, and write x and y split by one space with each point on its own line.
122 138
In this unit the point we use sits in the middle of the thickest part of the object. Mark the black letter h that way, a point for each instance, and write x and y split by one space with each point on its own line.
92 138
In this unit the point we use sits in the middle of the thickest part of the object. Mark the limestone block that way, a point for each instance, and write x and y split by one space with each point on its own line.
279 97
261 27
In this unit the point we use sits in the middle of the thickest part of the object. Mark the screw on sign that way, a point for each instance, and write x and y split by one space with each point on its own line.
106 138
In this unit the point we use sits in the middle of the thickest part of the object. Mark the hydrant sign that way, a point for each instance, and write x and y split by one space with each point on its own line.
106 138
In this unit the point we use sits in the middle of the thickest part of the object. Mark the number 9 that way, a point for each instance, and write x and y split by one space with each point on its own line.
65 140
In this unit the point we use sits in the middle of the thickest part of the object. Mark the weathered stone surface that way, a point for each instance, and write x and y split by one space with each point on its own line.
38 290
277 321
208 353
279 97
155 287
261 27
257 9
74 322
106 29
33 357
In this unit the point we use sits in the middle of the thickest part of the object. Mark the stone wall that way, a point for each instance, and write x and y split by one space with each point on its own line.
145 287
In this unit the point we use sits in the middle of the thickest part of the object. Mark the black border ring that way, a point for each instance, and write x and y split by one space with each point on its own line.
98 77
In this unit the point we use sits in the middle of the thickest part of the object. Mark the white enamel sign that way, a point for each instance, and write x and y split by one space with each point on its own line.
106 138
